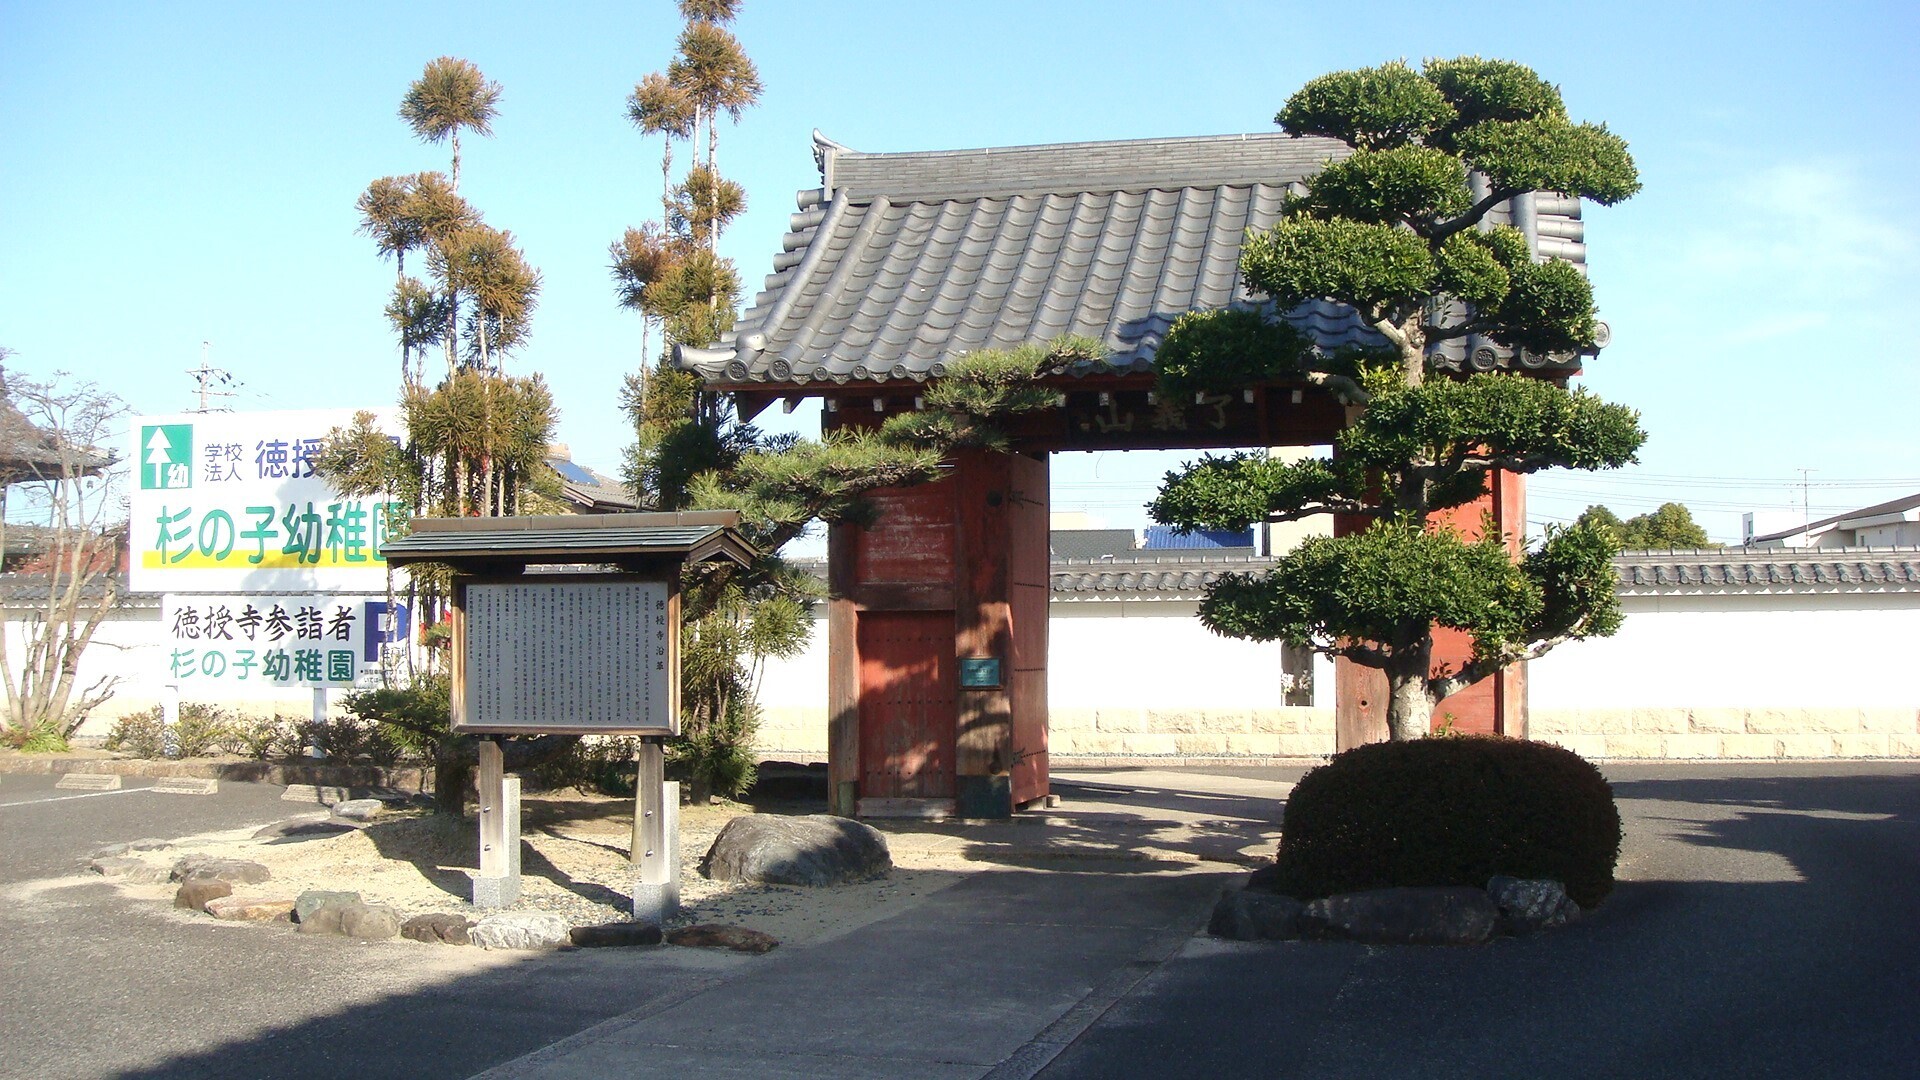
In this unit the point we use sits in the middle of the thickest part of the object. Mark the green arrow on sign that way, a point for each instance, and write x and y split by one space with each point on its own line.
166 459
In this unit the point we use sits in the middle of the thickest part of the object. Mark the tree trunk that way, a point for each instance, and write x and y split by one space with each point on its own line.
453 763
1409 709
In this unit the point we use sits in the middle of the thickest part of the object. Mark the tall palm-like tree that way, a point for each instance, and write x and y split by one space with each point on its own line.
713 11
716 73
449 95
659 107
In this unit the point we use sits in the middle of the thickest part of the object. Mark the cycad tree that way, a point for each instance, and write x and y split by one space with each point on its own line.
1397 232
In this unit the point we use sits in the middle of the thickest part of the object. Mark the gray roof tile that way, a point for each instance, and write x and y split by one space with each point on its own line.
1771 570
902 262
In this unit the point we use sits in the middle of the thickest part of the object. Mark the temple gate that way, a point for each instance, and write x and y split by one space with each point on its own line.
900 263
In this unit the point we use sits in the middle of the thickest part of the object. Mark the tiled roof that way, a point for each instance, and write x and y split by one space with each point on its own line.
1183 578
568 538
1771 570
902 262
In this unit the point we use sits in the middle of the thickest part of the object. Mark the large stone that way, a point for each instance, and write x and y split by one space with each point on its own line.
310 903
1429 915
132 870
231 871
1254 915
615 935
713 936
369 922
295 831
1529 904
150 843
818 849
194 893
242 909
445 929
520 930
359 809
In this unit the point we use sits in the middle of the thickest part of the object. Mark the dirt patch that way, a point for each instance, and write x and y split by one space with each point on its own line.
573 863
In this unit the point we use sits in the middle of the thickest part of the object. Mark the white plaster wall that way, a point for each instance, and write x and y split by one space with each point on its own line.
1815 650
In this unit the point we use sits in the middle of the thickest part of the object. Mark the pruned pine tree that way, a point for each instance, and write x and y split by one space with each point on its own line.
1397 232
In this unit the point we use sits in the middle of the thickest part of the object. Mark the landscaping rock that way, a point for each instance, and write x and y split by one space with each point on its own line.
520 930
359 809
240 909
293 831
1266 879
151 843
369 922
194 894
1253 915
712 936
131 870
613 935
444 929
231 871
311 903
1432 915
1530 904
818 849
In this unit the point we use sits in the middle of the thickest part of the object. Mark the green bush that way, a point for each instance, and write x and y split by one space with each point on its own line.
602 764
201 730
139 734
408 721
264 738
1452 811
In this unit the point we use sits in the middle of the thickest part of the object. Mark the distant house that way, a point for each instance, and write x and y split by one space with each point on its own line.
1895 523
587 491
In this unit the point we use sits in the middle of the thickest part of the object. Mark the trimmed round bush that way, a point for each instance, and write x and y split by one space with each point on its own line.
1450 811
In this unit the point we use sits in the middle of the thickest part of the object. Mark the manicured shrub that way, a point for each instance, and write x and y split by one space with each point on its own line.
1453 811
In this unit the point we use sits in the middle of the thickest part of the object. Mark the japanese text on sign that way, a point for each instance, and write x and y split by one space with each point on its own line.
579 656
235 501
269 641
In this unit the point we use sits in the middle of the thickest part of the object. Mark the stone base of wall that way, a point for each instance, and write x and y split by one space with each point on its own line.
1683 733
1109 734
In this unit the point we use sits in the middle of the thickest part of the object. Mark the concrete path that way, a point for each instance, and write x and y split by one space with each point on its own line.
990 977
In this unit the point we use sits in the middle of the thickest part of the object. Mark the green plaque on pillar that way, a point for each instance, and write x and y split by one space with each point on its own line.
980 673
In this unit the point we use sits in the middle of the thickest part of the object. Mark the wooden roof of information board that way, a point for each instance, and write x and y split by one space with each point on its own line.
900 263
469 544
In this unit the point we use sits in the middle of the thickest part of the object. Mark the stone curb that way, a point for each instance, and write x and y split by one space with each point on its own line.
398 778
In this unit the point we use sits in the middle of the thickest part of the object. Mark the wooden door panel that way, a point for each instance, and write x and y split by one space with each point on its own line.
907 704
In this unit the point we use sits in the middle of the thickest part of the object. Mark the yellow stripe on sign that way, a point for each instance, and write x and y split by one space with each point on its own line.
235 560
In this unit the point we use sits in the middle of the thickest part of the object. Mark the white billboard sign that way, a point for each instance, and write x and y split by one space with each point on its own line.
589 657
249 642
230 502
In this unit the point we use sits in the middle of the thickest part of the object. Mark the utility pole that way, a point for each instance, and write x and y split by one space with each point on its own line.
208 377
1806 518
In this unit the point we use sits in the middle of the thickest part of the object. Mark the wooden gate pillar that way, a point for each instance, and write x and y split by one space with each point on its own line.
953 719
1495 705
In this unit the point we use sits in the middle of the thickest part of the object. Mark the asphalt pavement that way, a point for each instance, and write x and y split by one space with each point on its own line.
1763 927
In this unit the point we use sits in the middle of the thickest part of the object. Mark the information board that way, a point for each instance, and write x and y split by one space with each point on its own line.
567 657
238 643
231 502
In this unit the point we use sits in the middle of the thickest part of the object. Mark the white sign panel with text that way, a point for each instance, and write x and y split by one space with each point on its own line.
231 502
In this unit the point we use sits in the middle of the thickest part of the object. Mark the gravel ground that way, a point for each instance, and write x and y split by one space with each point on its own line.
574 863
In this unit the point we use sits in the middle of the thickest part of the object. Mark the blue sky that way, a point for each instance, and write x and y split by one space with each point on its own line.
176 173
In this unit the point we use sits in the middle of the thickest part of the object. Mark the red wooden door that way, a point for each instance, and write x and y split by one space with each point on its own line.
907 704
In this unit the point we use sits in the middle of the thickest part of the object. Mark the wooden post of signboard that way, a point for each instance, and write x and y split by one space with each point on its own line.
656 877
498 884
